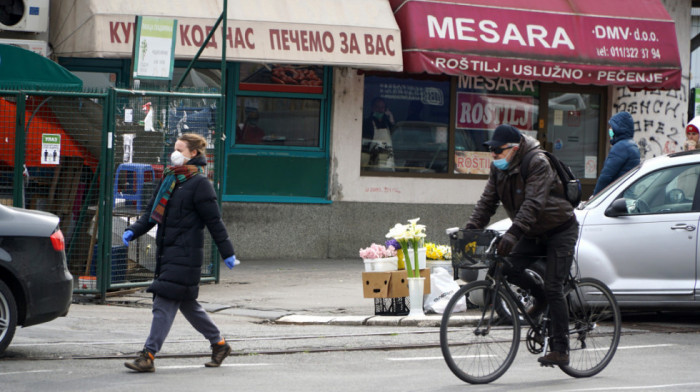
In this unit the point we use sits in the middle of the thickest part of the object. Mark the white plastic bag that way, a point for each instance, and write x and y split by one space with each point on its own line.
442 288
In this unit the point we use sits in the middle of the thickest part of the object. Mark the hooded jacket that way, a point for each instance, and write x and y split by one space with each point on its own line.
180 238
536 206
624 153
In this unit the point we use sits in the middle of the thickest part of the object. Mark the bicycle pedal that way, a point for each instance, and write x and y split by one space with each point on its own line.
546 365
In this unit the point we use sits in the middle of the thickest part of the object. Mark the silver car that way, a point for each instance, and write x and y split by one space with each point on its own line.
640 234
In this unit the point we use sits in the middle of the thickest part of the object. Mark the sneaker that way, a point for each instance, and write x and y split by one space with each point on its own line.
142 364
557 358
218 353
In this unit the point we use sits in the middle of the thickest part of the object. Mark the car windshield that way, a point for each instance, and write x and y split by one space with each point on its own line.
600 195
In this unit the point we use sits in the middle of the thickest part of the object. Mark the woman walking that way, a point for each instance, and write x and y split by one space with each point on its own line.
184 203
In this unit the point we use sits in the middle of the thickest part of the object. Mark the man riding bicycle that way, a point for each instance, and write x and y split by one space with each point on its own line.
543 223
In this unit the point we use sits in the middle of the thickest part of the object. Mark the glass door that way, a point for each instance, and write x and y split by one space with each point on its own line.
573 129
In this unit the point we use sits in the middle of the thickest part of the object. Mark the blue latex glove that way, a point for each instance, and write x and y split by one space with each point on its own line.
231 262
127 236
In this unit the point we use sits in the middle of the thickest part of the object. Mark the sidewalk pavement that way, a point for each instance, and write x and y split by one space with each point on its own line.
309 291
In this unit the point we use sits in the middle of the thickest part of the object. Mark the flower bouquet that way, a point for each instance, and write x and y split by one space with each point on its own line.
439 256
438 252
379 258
409 236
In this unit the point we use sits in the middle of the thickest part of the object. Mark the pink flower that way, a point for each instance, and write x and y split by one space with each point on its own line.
376 251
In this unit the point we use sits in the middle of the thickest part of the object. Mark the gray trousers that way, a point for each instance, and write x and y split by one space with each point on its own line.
164 311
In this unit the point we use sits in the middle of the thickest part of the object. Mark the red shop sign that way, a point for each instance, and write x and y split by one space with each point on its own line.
621 42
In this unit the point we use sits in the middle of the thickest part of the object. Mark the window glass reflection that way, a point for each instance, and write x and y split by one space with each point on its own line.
404 126
572 131
278 121
478 113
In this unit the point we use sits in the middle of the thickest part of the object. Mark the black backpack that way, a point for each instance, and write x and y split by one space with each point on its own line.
572 185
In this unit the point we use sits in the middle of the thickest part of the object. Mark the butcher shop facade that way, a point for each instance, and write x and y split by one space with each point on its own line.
303 154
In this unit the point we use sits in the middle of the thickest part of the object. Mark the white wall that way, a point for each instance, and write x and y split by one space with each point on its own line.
660 116
346 139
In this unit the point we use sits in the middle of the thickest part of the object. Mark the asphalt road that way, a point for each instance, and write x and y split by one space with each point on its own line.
649 361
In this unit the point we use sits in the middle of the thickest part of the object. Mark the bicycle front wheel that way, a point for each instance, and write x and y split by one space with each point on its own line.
594 328
478 344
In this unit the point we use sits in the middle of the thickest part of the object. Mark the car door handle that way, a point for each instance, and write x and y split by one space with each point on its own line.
683 226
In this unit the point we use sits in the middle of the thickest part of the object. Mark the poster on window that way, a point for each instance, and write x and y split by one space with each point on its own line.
472 162
487 111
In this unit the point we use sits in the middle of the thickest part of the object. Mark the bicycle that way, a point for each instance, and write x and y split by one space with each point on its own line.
480 336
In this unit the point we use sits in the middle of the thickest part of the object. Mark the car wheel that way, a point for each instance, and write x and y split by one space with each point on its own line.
8 316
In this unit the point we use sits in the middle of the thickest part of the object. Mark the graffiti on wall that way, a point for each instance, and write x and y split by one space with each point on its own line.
659 117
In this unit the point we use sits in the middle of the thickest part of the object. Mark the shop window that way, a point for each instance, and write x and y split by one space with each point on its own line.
482 104
405 125
277 121
201 79
97 80
281 78
278 150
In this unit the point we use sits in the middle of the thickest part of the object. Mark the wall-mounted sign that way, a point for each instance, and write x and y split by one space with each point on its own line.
50 149
154 48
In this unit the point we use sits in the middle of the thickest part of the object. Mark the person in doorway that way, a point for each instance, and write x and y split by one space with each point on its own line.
183 204
691 134
543 222
380 119
250 132
377 144
624 153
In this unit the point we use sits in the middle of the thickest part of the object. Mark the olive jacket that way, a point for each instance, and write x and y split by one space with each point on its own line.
180 238
536 206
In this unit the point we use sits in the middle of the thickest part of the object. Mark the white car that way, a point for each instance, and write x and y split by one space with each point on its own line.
640 234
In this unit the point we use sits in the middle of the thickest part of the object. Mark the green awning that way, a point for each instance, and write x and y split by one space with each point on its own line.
26 70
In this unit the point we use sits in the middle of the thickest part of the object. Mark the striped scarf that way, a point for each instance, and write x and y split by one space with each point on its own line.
172 175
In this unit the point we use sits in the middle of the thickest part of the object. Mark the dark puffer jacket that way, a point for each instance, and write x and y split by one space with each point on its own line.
180 238
624 153
536 206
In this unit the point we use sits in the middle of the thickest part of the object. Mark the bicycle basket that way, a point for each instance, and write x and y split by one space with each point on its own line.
469 246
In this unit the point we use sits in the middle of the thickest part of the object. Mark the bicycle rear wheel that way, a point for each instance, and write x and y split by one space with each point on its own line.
594 328
478 344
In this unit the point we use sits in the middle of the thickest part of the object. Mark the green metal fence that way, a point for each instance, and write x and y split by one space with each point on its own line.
58 147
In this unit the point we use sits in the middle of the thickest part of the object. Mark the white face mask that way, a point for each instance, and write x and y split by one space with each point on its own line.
177 159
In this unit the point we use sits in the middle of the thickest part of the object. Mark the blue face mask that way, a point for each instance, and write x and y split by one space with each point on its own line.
611 133
501 163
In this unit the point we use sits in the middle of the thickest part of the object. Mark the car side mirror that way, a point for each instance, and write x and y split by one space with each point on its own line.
617 208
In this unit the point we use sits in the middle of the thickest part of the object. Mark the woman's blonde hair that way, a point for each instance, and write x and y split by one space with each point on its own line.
194 142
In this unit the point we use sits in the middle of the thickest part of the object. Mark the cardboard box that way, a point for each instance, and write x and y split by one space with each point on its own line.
390 284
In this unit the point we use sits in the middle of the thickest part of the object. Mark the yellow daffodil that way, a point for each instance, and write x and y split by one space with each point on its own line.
438 252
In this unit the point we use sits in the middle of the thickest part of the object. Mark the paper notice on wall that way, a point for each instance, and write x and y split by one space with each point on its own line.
591 167
128 116
128 148
50 149
558 117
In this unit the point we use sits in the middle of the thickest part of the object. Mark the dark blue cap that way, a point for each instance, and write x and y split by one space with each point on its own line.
504 134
